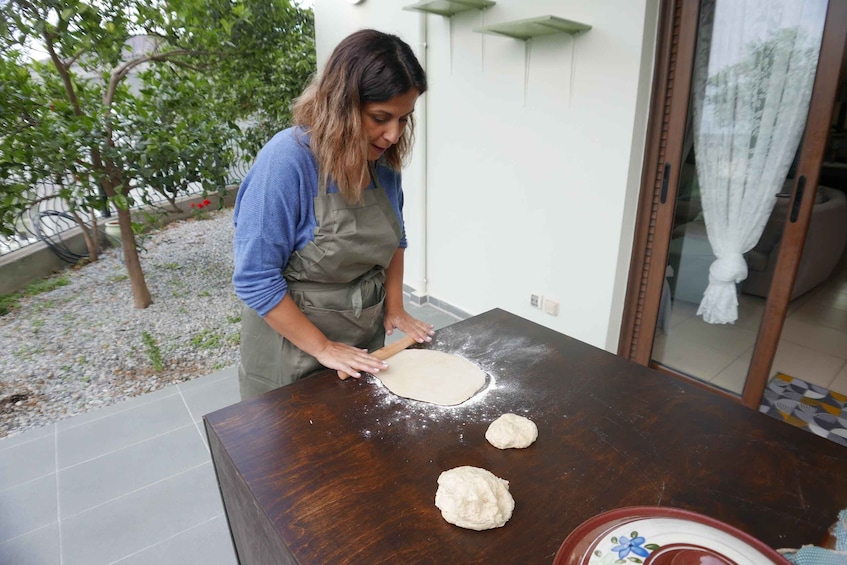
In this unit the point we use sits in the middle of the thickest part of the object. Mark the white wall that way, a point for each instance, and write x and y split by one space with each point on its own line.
336 19
531 178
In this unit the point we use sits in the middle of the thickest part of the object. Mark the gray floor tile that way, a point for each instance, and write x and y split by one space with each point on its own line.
201 431
122 406
123 483
120 429
443 306
27 436
27 507
211 396
208 543
40 547
225 373
27 461
441 320
127 525
428 313
120 472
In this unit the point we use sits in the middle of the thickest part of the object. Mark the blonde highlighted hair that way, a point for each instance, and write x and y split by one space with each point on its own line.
367 66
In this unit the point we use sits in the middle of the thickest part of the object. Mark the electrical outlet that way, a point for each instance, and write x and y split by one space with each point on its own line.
536 300
551 307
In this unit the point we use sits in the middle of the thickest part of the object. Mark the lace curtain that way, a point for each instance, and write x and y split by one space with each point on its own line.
754 70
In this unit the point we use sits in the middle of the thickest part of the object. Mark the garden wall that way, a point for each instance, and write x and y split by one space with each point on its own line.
36 261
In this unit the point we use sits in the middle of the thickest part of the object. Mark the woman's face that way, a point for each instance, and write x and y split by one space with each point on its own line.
384 122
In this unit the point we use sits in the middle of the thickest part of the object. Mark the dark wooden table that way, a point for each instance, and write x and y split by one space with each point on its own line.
327 471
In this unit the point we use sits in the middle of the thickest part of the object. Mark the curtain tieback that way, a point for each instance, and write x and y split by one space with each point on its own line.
728 269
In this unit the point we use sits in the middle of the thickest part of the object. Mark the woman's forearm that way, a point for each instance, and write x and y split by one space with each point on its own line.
290 322
396 316
394 283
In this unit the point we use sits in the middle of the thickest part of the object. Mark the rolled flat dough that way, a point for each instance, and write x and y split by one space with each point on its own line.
432 376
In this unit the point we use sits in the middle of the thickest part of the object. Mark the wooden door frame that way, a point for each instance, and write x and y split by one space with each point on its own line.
812 147
665 135
657 201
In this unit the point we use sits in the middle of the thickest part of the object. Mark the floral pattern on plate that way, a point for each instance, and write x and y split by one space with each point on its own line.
654 535
625 549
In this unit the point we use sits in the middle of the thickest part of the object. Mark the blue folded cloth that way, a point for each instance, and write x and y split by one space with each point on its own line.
814 555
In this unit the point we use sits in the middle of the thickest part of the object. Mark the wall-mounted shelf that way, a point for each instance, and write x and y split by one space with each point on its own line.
447 8
533 27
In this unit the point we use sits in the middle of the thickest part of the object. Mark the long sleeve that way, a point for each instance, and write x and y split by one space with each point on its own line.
274 216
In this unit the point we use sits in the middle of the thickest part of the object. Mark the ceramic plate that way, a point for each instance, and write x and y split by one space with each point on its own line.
655 535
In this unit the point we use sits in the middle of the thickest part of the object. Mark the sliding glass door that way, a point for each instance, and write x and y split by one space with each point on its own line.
741 124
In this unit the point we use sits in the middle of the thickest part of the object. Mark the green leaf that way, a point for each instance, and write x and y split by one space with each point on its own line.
121 201
172 133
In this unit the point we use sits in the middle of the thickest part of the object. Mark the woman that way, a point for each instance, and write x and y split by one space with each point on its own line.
319 235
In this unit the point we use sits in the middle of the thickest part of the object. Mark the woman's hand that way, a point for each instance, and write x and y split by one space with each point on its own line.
348 360
290 322
412 327
396 316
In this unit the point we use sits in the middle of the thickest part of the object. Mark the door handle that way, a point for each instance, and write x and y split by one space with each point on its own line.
783 195
664 195
798 198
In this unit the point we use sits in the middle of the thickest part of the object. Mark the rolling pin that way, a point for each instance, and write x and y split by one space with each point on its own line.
387 351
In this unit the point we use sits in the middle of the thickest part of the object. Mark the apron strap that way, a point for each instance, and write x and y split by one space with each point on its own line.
322 185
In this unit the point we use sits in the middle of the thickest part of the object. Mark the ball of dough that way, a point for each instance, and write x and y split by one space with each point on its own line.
511 430
474 498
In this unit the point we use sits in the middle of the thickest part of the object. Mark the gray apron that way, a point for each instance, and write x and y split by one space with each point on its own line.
337 280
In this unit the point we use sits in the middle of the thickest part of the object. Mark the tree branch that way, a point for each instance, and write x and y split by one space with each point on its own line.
119 73
63 72
75 57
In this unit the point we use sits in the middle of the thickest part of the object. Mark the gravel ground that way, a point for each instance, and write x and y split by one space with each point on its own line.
84 346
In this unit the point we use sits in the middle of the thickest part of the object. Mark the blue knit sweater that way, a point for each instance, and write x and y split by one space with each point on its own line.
275 216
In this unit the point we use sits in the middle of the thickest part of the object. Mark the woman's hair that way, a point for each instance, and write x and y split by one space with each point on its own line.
367 66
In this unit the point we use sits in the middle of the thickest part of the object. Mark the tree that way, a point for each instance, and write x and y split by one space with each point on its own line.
138 96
